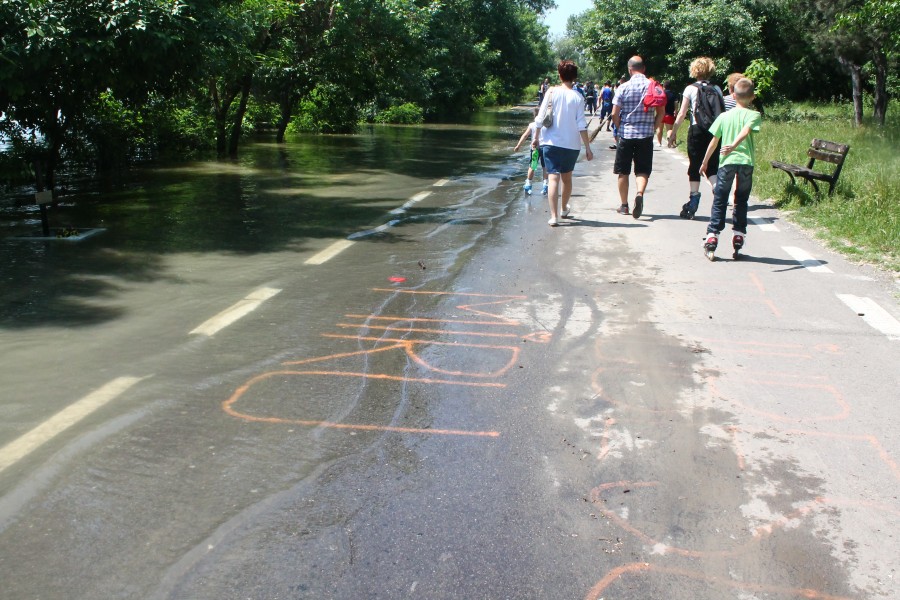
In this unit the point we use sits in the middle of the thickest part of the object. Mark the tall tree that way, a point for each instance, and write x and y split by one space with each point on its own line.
57 58
876 24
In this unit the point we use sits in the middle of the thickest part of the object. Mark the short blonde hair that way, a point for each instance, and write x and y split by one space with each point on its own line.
744 89
702 68
733 79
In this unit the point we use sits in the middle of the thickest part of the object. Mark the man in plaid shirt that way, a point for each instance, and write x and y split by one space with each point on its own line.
636 131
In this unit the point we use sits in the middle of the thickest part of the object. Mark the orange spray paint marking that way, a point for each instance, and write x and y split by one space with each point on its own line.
636 568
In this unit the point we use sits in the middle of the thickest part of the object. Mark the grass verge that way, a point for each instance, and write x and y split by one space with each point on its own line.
862 218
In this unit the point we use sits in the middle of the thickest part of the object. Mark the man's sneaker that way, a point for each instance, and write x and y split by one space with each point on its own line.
622 210
638 206
545 190
527 186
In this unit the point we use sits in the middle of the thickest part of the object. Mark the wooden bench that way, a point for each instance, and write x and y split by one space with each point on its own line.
830 152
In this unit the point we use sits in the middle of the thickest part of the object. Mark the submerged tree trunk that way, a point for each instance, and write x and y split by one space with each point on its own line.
880 60
856 79
221 105
238 124
286 105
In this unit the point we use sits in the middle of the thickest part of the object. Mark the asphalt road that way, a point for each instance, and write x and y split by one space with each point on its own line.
465 403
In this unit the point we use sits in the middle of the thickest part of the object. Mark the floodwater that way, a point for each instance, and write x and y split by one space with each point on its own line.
312 186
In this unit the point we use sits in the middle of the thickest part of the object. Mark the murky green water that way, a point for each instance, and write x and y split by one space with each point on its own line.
279 194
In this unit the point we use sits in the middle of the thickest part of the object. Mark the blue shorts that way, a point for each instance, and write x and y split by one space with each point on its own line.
559 160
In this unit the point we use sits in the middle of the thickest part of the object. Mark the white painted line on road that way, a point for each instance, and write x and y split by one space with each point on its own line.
441 182
368 232
873 314
233 313
329 252
763 224
410 203
805 259
24 445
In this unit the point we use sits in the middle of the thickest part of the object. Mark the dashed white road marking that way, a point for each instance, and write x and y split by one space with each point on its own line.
763 224
329 252
410 203
235 312
805 259
27 443
873 314
368 232
441 182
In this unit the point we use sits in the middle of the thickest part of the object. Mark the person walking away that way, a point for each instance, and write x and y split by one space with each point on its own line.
590 97
730 102
637 127
735 129
545 85
606 99
560 143
668 114
705 102
534 155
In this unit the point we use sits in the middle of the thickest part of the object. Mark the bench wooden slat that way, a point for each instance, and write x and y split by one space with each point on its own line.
830 146
830 157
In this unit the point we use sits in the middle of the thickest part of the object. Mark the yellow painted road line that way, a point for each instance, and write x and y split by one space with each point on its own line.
24 445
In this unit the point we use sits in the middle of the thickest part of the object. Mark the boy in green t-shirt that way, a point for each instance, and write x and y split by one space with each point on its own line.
735 128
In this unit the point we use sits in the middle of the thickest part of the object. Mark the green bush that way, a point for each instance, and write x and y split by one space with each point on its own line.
403 114
327 109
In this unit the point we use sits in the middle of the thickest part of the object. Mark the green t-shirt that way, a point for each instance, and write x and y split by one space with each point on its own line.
728 126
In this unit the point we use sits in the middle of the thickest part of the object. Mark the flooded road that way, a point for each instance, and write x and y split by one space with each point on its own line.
403 384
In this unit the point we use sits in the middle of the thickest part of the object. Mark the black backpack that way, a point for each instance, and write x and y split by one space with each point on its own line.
710 104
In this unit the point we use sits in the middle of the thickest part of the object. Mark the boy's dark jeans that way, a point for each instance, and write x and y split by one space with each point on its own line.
725 177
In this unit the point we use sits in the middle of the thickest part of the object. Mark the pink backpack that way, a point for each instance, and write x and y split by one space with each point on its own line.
655 96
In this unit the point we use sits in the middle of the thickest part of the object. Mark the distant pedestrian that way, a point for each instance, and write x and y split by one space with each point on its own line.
735 129
560 143
590 97
606 100
636 130
542 90
668 114
534 156
705 101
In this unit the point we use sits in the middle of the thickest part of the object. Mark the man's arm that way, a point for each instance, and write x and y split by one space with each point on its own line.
616 116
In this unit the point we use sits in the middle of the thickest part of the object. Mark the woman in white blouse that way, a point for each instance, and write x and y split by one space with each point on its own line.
560 143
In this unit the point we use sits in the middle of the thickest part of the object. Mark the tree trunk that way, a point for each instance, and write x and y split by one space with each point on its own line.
879 58
856 79
238 123
287 111
221 106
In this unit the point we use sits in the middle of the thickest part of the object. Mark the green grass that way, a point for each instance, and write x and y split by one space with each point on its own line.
862 217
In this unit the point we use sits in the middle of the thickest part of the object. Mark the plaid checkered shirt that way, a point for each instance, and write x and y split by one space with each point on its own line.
635 123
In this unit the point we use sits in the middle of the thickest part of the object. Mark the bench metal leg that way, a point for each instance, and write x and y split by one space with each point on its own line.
815 187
